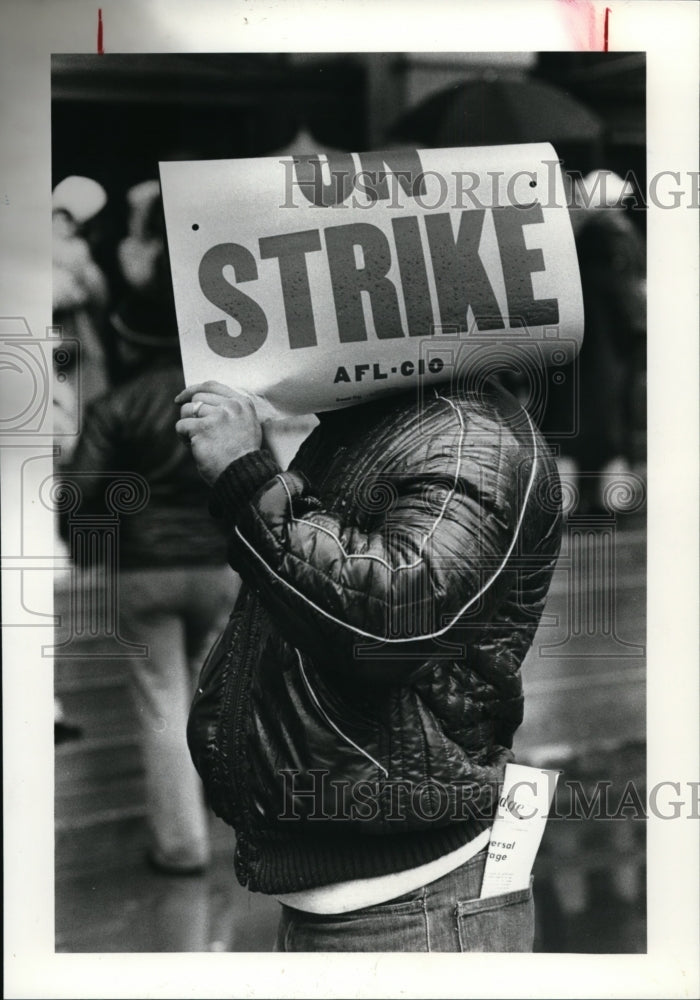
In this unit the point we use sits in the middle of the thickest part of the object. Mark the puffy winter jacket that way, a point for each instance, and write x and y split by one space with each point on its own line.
357 714
131 429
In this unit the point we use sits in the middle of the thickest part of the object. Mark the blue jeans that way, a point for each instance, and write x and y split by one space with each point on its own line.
446 915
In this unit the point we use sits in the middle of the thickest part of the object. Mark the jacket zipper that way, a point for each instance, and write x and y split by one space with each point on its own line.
317 702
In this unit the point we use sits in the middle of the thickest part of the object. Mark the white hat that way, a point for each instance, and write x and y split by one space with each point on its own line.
141 198
81 197
143 194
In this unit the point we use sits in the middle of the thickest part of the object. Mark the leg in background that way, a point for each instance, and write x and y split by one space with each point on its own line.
151 607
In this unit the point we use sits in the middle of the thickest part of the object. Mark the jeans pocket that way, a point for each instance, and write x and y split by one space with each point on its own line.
498 923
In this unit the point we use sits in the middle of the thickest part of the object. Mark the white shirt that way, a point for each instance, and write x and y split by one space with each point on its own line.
343 897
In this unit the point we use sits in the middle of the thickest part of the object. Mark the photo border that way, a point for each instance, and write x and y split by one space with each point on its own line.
667 31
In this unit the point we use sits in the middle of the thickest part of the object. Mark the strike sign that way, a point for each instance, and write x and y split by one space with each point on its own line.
315 282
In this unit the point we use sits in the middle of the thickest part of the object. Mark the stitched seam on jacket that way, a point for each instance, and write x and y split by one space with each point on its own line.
428 535
459 613
317 701
293 557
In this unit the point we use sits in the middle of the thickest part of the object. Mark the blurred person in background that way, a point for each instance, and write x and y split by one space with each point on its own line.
80 299
611 363
175 590
140 253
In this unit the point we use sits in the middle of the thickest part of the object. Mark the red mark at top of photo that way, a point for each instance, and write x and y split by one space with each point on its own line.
100 45
585 24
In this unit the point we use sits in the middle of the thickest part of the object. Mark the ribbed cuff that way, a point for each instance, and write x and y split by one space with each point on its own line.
240 481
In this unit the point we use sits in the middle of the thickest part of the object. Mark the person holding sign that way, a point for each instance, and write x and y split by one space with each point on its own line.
354 720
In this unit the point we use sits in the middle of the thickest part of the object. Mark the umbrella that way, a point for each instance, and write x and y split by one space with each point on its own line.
493 110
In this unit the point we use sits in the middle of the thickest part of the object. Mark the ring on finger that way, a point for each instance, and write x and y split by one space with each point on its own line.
196 407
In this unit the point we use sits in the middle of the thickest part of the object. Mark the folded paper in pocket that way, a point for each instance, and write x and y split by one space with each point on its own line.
523 807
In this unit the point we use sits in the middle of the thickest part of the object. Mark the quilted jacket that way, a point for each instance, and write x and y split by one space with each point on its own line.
357 714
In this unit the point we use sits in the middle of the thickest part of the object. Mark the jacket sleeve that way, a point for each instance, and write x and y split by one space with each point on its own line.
437 552
93 467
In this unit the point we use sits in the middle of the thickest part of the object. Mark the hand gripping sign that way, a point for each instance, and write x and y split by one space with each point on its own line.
316 282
